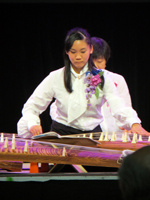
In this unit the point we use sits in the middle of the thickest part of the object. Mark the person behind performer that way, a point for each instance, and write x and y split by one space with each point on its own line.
79 89
101 54
134 175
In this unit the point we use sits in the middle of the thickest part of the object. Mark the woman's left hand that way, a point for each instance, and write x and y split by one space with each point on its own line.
137 128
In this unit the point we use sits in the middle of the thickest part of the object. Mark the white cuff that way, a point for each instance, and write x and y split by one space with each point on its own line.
31 123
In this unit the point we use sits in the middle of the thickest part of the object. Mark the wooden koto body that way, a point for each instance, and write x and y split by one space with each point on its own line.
119 145
63 155
101 153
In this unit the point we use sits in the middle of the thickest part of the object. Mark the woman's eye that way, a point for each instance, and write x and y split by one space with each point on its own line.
82 51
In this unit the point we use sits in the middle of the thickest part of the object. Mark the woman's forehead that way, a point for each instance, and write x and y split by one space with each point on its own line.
79 44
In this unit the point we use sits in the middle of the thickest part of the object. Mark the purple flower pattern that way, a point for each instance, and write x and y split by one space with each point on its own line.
93 80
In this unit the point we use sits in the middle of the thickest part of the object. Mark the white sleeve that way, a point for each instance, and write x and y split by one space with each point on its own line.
35 105
123 90
22 128
125 115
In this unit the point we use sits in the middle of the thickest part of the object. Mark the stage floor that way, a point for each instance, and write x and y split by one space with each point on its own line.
24 175
42 177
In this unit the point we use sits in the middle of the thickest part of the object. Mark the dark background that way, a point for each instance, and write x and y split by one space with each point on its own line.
31 45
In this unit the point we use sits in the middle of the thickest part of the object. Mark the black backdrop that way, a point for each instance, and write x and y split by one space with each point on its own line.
31 45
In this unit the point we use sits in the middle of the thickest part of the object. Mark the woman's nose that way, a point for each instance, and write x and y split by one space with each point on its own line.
78 56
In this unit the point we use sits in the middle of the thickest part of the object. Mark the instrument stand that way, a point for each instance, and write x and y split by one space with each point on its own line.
58 167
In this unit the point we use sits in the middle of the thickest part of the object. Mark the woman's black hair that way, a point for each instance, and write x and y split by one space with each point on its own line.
73 35
134 175
101 49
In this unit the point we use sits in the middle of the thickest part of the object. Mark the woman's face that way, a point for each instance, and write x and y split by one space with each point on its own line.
79 54
100 63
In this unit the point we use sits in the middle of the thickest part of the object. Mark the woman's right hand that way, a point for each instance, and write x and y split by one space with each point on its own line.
36 130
